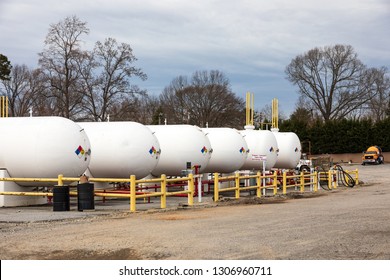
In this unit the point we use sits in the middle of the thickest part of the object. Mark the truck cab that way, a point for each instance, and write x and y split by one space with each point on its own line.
373 155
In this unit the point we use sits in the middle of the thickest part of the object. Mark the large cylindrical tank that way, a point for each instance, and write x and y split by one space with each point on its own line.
43 147
181 144
121 149
289 149
229 149
262 145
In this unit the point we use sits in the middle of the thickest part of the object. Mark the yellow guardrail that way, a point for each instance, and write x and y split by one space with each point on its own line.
132 195
237 178
241 182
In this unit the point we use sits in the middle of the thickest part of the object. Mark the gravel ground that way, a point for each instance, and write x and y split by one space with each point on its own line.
347 223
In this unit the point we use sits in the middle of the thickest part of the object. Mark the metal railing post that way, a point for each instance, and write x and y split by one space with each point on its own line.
132 194
302 182
60 180
216 187
315 181
163 191
237 184
284 182
191 188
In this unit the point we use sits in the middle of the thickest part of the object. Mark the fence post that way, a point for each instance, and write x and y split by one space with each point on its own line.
275 183
237 183
315 181
356 176
258 184
132 193
330 180
191 188
60 180
302 181
284 182
216 187
163 191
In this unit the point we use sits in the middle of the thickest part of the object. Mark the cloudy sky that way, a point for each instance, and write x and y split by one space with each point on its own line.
251 41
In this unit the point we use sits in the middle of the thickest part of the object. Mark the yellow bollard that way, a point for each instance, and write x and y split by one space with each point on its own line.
302 182
60 180
132 194
284 182
191 188
329 180
275 183
357 177
258 184
216 187
237 183
163 191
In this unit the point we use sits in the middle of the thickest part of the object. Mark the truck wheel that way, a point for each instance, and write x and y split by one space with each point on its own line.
304 168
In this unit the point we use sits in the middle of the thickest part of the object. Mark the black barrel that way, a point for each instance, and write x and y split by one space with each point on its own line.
85 197
61 198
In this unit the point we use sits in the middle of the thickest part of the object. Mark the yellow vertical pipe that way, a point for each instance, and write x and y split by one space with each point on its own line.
163 191
191 188
284 182
315 181
237 183
6 106
60 180
357 176
330 179
252 109
302 182
258 184
132 193
216 187
275 183
2 106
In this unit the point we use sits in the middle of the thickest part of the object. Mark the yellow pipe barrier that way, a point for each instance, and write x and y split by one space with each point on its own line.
191 188
60 180
284 182
216 187
302 180
132 194
258 184
27 193
237 185
163 191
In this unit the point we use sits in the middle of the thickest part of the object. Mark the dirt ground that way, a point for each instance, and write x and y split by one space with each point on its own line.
347 223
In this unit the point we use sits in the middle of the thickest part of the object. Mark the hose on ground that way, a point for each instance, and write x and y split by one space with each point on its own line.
344 177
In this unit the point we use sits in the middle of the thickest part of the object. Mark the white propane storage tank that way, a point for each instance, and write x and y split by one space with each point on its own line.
229 149
43 147
121 149
181 144
289 149
261 144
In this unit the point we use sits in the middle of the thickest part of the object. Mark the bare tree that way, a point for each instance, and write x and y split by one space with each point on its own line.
25 90
378 106
106 74
59 62
332 79
204 99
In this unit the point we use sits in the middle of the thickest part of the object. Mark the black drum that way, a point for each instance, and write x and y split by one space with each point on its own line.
61 198
85 197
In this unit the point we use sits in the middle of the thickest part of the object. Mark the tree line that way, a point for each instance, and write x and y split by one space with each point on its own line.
335 89
339 136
